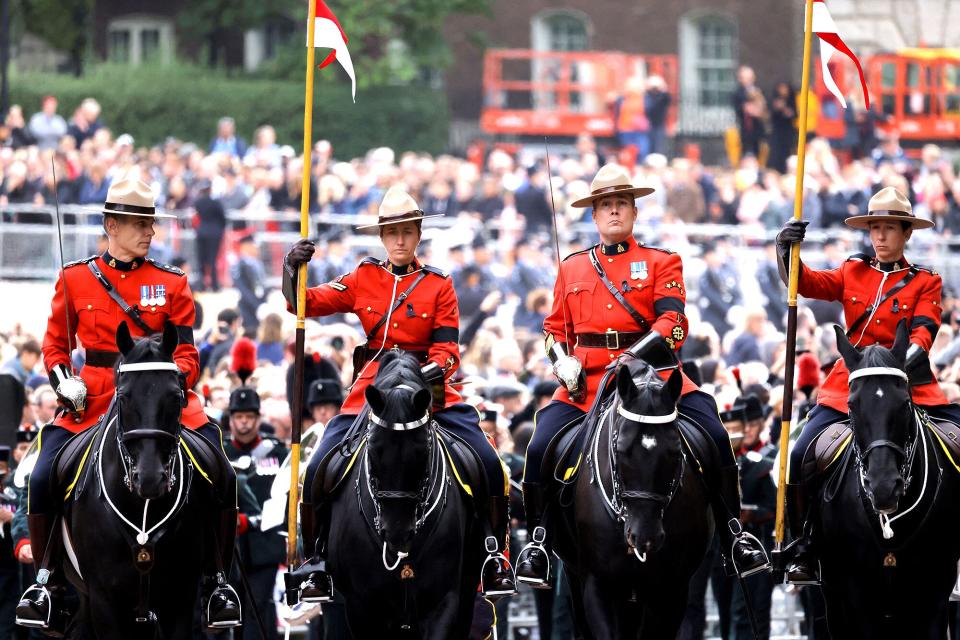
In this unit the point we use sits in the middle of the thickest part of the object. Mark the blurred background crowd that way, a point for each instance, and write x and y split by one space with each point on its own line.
239 200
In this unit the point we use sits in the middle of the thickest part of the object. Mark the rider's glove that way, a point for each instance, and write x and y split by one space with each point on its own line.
569 372
71 390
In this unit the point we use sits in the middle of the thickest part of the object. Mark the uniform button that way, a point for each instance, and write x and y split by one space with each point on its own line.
611 356
123 276
904 306
368 308
609 259
854 298
575 289
153 308
424 314
395 346
609 306
89 307
878 320
395 325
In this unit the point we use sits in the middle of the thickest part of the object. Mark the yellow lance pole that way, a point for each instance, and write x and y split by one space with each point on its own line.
788 375
297 416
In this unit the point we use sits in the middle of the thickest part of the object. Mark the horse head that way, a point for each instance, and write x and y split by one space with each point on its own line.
647 461
399 448
881 414
150 397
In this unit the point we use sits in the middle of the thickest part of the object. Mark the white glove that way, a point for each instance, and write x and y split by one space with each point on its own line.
70 390
568 369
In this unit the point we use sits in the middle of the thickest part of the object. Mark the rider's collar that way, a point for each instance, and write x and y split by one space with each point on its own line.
246 447
120 265
401 269
615 249
890 267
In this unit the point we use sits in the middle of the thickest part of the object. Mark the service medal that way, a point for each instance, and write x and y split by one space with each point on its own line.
638 270
144 295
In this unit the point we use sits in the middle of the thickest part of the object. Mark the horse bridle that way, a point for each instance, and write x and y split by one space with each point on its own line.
906 453
124 436
422 495
619 490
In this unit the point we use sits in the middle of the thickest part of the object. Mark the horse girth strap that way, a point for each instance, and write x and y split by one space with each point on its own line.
133 312
642 322
895 289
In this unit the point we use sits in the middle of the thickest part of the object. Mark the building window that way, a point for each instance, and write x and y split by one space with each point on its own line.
566 33
708 64
138 39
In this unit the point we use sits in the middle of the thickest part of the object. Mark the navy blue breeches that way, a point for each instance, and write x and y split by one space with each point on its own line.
697 405
460 419
821 417
52 438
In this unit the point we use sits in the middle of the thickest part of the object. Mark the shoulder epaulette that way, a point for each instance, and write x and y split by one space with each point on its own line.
435 271
166 267
921 267
371 260
577 253
666 251
862 257
80 261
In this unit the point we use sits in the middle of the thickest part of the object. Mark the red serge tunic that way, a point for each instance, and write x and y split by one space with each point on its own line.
159 291
650 279
428 321
859 284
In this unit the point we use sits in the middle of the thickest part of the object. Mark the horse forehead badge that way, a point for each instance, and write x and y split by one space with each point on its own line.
638 270
648 442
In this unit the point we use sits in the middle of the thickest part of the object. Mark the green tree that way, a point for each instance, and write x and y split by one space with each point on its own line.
213 21
65 24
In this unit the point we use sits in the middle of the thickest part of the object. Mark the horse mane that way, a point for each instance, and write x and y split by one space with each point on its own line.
145 349
398 368
642 372
877 355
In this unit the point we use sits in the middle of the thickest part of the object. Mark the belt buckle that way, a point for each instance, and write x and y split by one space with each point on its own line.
616 339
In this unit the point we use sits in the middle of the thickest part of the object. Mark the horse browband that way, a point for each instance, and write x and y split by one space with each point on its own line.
148 366
636 417
876 371
399 426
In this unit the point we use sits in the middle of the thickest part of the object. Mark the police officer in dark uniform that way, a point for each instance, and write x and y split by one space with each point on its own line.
755 456
257 460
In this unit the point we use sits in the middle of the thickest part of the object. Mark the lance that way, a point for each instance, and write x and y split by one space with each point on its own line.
556 242
63 279
793 283
297 416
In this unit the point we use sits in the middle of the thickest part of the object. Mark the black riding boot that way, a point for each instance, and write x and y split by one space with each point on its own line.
742 552
317 587
222 608
803 567
496 576
533 563
42 605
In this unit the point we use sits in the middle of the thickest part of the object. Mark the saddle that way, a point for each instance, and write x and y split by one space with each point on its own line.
209 463
72 462
466 467
826 449
699 446
947 435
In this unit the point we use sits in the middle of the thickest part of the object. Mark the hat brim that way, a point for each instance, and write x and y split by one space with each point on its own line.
156 214
863 222
385 223
637 192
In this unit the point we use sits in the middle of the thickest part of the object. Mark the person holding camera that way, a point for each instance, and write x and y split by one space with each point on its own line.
402 304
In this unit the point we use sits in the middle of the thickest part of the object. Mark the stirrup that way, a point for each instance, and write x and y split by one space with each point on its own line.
224 586
741 536
813 566
537 540
494 555
42 592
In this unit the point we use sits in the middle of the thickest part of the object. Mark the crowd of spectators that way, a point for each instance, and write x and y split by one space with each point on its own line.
496 242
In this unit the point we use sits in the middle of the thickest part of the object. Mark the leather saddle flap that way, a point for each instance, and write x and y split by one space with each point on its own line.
828 446
73 460
948 435
465 466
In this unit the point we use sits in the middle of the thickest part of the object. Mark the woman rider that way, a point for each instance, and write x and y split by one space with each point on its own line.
426 324
877 293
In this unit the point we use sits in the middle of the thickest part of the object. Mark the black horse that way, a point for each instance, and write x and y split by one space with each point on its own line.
887 534
401 531
136 526
640 522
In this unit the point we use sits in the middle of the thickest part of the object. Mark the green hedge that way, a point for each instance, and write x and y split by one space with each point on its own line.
152 103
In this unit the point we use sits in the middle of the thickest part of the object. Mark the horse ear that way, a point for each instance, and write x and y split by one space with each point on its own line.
124 341
421 401
902 341
674 386
374 399
170 338
847 351
626 389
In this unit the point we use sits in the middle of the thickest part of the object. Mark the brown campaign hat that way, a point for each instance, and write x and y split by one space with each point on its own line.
610 180
890 205
398 206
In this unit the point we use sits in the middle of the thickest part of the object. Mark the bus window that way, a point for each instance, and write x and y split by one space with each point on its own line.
951 88
916 100
888 83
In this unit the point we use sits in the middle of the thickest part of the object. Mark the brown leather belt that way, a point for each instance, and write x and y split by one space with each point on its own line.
106 359
612 340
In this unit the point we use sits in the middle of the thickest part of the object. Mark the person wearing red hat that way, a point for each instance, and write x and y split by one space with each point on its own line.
406 305
91 299
877 292
616 297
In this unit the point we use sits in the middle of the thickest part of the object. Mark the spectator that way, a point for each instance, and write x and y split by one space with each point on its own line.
324 399
219 340
21 367
270 346
47 126
719 289
750 108
783 124
210 222
250 280
17 135
531 201
226 140
746 346
85 121
656 103
631 121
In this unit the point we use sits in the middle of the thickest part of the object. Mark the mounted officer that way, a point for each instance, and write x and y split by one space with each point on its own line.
877 293
256 459
614 297
92 297
402 304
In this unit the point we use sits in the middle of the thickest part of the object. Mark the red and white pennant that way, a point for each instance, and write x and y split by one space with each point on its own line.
831 42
